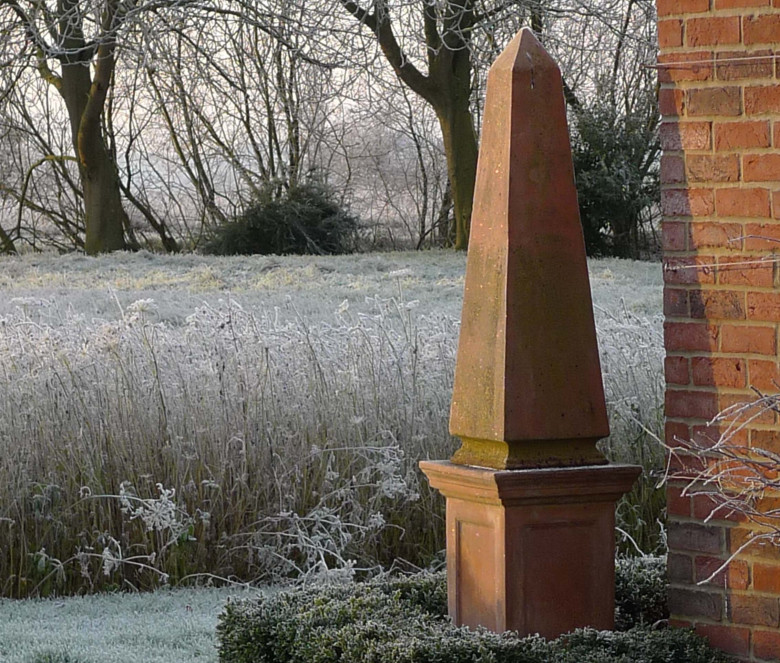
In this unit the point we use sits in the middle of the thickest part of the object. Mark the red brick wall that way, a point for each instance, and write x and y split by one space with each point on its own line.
720 100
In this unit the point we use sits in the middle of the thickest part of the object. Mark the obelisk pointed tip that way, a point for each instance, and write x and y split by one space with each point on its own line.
524 53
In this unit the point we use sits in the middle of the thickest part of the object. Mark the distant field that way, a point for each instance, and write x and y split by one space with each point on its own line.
316 286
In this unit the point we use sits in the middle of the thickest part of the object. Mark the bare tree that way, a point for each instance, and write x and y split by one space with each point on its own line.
75 45
170 132
449 30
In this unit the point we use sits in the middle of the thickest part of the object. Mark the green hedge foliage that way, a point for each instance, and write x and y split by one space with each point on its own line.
306 219
403 621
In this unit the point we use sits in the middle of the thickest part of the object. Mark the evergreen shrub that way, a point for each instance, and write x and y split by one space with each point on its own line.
305 219
616 159
404 621
640 591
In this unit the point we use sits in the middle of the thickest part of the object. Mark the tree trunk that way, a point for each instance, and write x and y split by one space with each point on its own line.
102 203
105 217
461 149
447 88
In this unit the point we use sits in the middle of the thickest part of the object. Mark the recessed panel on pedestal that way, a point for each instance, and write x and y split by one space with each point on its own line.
475 567
564 568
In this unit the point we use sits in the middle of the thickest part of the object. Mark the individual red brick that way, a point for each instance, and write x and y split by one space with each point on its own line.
712 168
741 135
687 202
733 4
764 375
671 101
718 372
720 101
691 405
675 202
677 67
670 33
748 339
766 645
732 639
676 303
705 506
776 204
705 436
766 577
742 538
743 202
735 574
678 504
689 271
666 7
745 271
764 99
693 336
725 235
761 167
763 306
766 504
768 440
684 464
754 610
676 432
762 237
676 136
672 169
693 603
717 304
679 569
735 65
776 138
674 235
712 30
732 408
762 29
676 370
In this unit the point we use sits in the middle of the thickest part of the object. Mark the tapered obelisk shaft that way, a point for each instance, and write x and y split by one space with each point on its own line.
528 390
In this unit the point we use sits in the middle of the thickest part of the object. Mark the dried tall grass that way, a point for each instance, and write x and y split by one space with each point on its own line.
246 444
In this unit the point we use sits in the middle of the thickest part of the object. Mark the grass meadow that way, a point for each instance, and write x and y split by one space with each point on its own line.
187 420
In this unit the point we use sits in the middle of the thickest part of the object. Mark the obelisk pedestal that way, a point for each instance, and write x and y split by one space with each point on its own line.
531 551
530 500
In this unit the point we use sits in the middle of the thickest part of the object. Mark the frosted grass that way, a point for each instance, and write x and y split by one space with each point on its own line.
174 418
163 627
318 285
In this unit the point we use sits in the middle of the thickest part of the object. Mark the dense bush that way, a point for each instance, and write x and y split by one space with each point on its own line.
640 591
306 219
403 621
616 164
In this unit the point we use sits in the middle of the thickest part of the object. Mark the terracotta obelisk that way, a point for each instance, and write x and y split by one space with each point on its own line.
530 500
528 390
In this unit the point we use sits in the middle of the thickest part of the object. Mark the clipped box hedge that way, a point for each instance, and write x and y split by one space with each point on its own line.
403 620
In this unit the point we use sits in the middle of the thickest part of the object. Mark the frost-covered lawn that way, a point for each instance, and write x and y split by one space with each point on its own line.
252 418
316 286
163 627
